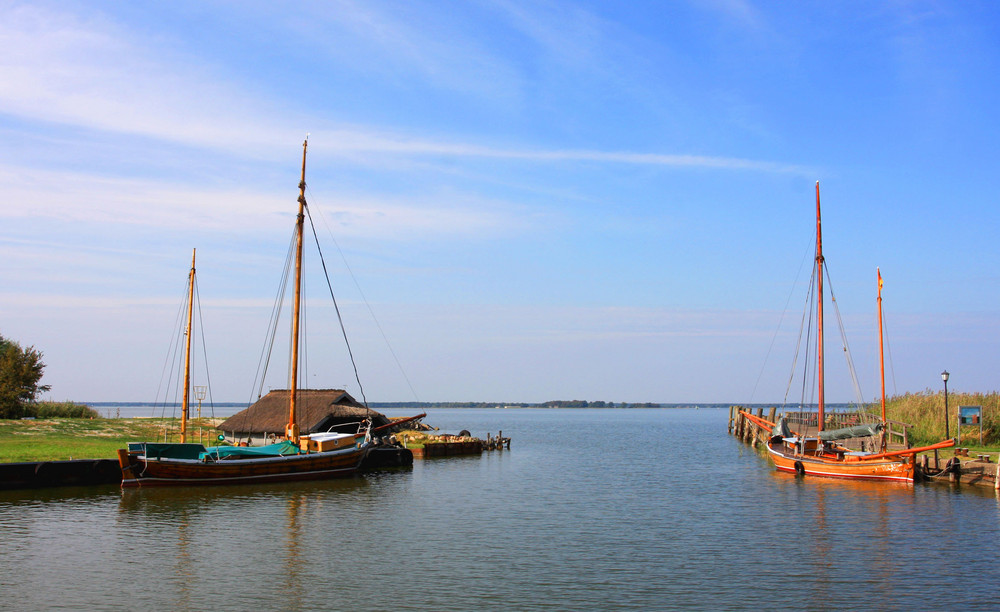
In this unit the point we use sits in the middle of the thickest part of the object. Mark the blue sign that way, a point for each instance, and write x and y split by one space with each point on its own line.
970 415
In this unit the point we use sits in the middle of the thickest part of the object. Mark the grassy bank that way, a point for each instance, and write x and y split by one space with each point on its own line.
74 438
925 411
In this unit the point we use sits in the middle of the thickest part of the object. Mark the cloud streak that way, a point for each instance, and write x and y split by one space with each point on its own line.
92 74
347 142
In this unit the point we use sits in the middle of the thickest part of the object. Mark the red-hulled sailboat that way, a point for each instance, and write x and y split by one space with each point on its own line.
822 455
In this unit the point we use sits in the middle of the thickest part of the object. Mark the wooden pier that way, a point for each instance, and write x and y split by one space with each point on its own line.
73 472
746 430
447 445
978 471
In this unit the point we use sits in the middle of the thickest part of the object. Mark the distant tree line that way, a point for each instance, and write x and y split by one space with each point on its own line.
447 404
597 404
549 404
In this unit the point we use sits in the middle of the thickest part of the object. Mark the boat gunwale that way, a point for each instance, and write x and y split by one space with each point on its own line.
851 470
245 460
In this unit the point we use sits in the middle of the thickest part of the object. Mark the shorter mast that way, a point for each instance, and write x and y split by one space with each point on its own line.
187 352
881 342
820 417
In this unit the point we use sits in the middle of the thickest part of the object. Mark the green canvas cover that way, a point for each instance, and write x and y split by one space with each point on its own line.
781 429
271 450
858 431
164 450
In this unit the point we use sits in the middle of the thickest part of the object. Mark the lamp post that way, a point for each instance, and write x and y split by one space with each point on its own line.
199 393
944 377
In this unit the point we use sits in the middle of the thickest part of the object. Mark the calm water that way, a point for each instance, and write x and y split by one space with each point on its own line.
606 509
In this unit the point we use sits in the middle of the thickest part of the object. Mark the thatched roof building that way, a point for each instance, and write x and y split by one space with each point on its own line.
316 410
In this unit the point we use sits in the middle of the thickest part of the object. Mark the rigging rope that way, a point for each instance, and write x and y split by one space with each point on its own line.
805 326
368 305
336 307
774 337
810 367
167 378
269 337
843 339
204 348
888 352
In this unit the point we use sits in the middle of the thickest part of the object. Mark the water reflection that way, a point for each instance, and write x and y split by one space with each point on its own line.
668 512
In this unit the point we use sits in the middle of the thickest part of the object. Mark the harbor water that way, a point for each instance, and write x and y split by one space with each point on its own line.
620 509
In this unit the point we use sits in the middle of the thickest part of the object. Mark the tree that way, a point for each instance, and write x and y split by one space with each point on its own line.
20 371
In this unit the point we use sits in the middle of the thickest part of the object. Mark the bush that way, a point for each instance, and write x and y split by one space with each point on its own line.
20 371
61 410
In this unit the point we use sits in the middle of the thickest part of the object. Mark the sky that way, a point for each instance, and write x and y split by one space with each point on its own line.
516 201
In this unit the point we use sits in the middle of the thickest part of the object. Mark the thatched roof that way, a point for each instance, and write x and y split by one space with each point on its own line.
316 410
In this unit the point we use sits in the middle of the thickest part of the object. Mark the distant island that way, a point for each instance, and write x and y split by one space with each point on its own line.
549 404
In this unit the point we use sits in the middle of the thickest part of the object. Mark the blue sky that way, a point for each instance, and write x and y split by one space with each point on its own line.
537 200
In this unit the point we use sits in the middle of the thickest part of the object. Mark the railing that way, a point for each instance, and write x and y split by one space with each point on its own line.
896 432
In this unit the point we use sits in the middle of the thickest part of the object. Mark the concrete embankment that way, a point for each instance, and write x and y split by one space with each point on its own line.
40 474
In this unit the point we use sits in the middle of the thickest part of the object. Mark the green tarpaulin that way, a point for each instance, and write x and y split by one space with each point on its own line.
271 450
858 431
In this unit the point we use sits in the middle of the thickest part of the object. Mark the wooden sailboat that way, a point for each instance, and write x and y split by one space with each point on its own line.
318 456
822 455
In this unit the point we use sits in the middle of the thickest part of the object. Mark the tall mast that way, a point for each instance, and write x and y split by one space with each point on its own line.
881 345
187 352
292 429
819 312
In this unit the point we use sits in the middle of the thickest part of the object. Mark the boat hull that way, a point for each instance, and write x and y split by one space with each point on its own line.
139 471
878 469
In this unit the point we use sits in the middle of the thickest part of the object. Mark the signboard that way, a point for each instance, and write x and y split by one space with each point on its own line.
973 416
970 415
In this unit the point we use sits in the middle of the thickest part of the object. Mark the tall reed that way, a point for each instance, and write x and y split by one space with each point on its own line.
924 410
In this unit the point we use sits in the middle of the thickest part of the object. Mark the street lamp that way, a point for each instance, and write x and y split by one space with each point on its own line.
944 377
199 393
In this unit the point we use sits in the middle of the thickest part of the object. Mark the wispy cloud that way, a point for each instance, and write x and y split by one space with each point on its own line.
409 42
741 12
350 141
117 202
92 73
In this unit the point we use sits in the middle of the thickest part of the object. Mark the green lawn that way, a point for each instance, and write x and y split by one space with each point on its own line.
58 439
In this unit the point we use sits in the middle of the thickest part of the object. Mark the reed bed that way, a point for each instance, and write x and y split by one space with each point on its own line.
924 410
